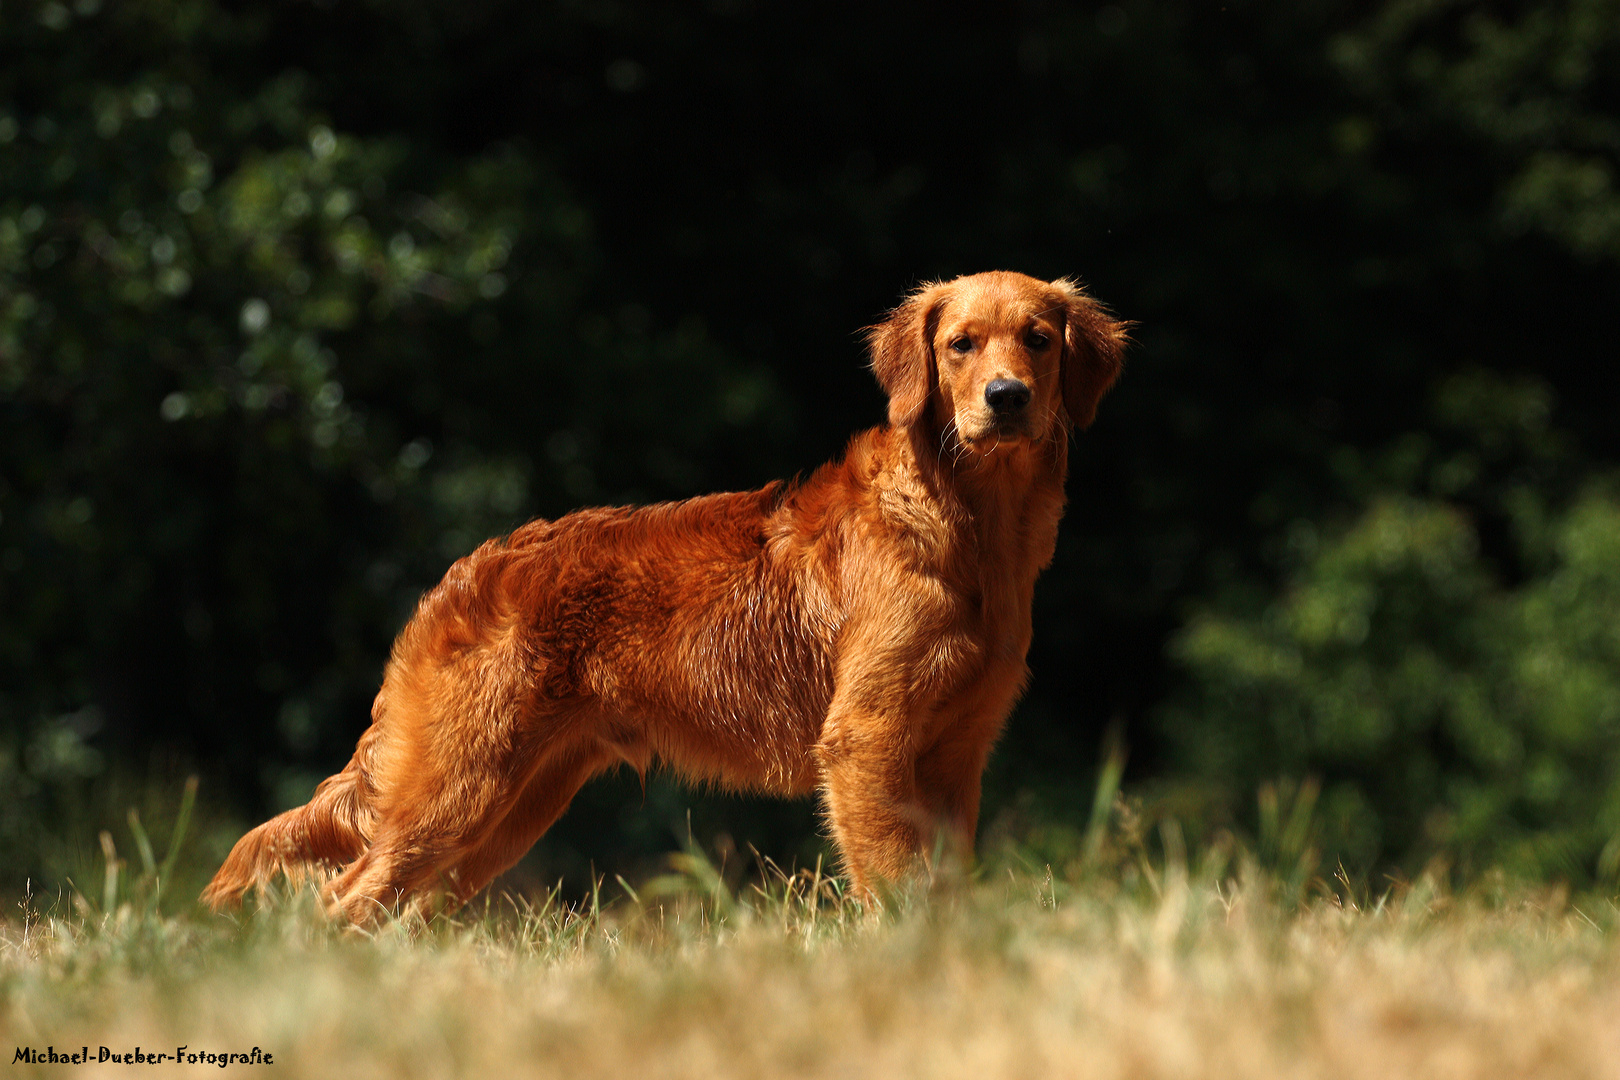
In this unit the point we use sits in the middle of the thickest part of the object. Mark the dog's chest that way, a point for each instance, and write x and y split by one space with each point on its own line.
980 648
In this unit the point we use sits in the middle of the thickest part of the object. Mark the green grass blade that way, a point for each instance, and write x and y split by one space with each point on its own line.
143 844
182 821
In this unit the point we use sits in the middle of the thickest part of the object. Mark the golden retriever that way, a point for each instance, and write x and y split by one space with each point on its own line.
860 634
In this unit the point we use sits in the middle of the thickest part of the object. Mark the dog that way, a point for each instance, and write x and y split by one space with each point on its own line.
861 634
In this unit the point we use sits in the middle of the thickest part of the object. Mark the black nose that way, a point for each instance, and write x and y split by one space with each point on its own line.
1006 395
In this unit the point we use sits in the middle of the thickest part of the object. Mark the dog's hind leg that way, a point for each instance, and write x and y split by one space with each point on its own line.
459 810
547 795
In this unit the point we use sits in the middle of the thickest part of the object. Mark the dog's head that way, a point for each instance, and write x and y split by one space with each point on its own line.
999 357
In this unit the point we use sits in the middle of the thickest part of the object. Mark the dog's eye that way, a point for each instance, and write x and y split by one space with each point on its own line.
1037 340
963 344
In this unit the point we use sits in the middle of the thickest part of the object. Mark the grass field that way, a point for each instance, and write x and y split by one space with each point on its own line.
1156 973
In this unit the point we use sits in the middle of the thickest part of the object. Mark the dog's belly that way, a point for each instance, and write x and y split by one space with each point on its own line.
704 752
721 695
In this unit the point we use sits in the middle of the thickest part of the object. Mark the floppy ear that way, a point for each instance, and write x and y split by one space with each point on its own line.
902 347
1093 346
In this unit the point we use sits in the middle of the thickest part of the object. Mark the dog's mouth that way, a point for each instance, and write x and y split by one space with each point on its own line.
998 434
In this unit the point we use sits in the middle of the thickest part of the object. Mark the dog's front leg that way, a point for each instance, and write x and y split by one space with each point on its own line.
868 768
948 785
869 790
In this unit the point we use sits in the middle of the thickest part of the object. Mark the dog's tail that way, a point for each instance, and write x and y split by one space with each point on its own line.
311 841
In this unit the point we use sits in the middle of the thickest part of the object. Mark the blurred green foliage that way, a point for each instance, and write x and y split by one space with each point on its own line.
300 302
1455 701
199 286
1446 713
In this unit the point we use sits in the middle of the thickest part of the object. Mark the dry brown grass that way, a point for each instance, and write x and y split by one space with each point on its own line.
1009 979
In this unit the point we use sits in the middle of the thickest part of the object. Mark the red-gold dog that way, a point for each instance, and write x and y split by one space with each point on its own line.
861 634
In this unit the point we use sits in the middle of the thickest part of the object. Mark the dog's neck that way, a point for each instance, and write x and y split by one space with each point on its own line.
1008 499
989 486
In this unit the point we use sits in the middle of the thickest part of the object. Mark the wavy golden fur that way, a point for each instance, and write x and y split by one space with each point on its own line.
861 634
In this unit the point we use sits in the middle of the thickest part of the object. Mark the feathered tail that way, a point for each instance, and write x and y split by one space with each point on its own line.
313 840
